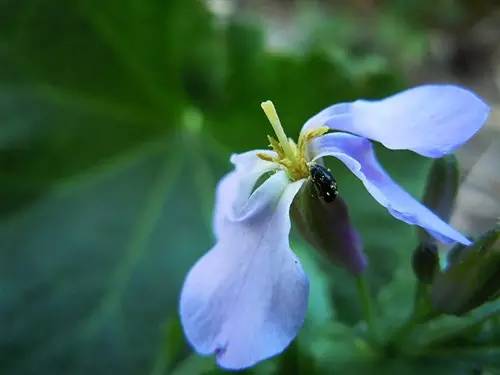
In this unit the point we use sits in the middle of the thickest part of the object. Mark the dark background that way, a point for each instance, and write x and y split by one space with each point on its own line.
117 118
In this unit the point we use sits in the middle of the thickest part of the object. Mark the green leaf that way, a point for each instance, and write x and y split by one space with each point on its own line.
173 343
447 333
91 271
83 81
195 364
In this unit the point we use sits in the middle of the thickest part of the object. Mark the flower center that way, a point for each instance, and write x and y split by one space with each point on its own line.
290 156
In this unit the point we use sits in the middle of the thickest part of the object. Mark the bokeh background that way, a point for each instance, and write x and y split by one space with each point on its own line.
117 118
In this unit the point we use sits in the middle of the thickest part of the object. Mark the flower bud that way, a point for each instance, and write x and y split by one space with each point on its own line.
441 189
455 253
327 227
471 279
425 261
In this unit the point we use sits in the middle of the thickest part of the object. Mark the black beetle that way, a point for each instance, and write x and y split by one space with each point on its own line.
324 182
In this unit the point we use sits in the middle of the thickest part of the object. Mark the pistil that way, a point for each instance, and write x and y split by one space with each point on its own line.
273 118
292 157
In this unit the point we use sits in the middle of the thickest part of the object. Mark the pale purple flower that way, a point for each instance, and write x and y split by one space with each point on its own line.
246 298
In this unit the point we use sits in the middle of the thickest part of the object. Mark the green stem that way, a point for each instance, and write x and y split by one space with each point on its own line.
366 305
405 330
422 313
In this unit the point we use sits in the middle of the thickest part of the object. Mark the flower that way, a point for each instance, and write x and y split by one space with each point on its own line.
246 298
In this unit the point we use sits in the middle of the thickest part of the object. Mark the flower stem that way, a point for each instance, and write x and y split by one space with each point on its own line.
422 312
273 118
367 305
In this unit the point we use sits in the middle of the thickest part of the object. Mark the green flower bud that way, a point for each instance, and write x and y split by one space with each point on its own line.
327 227
441 189
455 253
425 261
471 279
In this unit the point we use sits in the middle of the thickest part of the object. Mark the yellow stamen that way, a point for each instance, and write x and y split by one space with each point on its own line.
307 137
273 118
265 157
275 145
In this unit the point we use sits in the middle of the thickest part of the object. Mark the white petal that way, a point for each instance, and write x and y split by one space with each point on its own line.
432 120
236 186
245 300
357 154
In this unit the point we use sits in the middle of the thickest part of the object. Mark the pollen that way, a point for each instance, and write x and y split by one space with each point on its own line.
291 156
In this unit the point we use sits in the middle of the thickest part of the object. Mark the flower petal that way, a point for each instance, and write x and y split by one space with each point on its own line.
236 186
246 299
357 154
432 120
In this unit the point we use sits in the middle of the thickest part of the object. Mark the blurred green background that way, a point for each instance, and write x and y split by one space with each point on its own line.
117 118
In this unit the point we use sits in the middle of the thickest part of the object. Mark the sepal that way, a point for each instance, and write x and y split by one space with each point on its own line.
471 278
327 227
425 261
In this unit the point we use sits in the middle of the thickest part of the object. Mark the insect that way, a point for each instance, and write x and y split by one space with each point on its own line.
324 182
